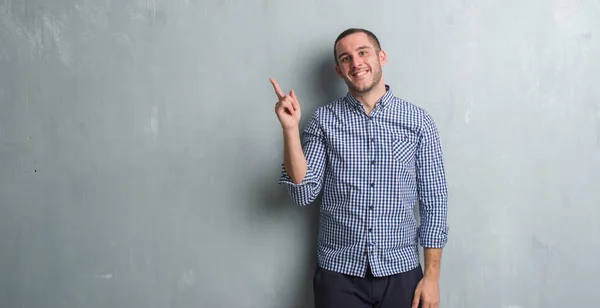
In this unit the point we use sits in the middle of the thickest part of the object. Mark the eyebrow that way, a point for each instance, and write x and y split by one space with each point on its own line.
359 48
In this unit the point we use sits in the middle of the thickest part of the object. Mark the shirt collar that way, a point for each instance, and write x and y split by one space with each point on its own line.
383 101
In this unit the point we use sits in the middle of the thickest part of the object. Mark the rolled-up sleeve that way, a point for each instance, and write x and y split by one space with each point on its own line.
432 188
313 145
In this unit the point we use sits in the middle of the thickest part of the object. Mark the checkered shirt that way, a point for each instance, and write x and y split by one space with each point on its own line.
372 170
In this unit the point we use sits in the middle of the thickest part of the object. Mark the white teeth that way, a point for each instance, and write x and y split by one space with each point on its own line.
361 73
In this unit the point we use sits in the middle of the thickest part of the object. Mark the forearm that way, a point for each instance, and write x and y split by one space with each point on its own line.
293 156
433 258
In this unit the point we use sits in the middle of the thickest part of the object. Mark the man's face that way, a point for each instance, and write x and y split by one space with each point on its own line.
359 63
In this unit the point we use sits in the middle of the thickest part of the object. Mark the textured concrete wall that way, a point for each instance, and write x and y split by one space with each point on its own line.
139 150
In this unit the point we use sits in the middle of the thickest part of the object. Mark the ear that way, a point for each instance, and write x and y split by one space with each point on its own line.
338 71
382 58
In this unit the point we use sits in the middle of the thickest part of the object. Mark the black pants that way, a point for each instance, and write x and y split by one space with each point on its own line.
335 290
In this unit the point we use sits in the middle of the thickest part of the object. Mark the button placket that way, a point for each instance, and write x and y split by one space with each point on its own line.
371 131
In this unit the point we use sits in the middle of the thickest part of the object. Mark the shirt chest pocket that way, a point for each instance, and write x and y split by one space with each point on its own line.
404 149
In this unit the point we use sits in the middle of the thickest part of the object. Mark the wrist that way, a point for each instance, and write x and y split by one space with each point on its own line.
291 131
431 274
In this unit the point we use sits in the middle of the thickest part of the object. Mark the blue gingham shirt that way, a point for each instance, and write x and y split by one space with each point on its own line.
372 170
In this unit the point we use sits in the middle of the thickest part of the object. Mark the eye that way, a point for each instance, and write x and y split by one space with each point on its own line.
362 53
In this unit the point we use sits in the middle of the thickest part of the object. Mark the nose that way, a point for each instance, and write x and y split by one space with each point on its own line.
355 62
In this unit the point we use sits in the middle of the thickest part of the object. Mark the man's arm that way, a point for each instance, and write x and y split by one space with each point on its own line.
304 162
433 203
293 156
433 192
433 258
427 292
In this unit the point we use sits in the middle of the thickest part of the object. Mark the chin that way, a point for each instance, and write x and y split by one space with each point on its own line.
361 89
358 84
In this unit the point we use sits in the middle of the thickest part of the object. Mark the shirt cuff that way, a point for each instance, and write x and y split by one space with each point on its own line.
433 237
301 193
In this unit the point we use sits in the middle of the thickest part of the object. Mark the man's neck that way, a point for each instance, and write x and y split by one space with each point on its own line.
370 99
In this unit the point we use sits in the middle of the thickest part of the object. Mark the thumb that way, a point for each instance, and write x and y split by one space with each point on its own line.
295 104
416 299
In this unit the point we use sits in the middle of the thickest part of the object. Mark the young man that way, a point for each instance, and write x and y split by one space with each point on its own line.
374 156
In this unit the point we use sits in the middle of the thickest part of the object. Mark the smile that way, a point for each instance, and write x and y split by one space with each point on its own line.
359 74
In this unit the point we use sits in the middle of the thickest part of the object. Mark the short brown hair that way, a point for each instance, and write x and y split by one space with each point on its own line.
372 37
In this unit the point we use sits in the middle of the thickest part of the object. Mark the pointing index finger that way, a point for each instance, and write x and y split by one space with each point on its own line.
277 88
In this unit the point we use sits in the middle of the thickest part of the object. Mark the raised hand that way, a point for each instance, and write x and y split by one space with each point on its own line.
287 107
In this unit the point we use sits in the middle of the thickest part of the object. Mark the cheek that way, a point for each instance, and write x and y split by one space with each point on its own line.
346 70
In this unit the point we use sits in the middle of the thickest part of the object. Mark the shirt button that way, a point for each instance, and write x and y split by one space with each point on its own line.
372 184
370 207
373 139
373 162
370 229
